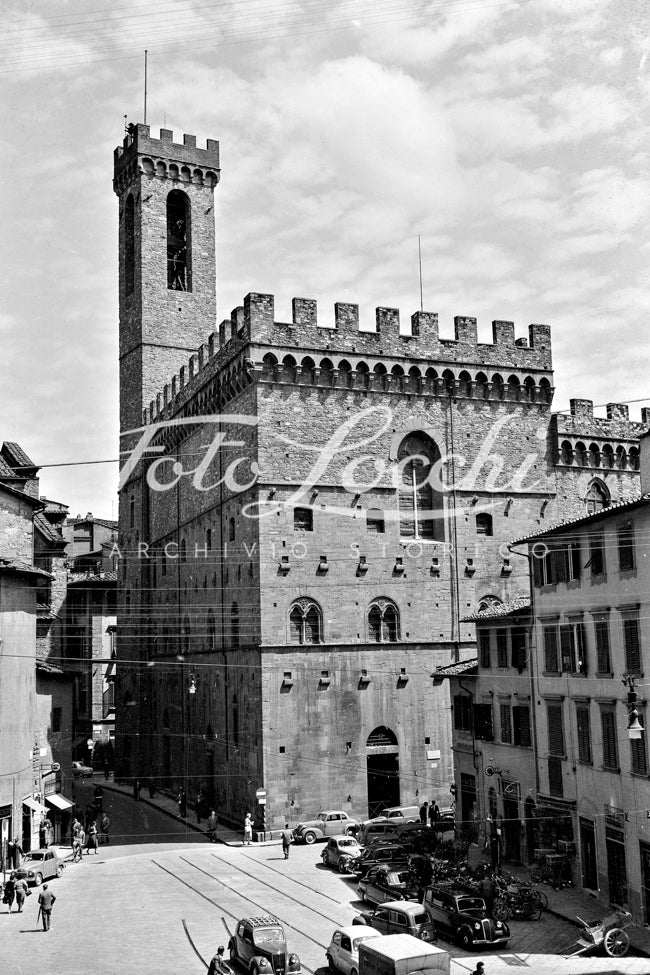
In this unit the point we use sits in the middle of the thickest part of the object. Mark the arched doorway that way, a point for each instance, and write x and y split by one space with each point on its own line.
382 757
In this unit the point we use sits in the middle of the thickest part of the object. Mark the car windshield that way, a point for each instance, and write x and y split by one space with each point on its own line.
321 818
400 878
364 937
471 904
268 938
347 842
420 918
34 856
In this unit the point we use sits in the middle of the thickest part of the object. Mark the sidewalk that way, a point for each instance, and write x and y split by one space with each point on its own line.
169 806
568 903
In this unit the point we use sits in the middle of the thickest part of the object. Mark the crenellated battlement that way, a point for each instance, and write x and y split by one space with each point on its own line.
610 442
164 158
340 355
420 340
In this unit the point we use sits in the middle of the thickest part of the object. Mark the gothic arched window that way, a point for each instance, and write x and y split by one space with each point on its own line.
179 273
420 502
383 622
305 622
597 497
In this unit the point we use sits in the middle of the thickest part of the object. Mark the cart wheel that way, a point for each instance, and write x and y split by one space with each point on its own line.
617 941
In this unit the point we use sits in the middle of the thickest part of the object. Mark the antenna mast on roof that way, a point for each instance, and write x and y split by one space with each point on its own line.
145 86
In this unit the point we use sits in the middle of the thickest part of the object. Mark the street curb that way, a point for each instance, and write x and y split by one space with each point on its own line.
186 822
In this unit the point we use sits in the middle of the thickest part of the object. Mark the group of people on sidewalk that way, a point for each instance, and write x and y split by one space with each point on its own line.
16 889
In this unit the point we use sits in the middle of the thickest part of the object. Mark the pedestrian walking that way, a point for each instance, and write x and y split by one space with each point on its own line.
488 890
151 785
248 830
45 904
105 826
424 811
212 826
9 891
21 890
434 813
287 840
182 803
98 793
41 833
218 965
92 838
136 789
480 969
106 768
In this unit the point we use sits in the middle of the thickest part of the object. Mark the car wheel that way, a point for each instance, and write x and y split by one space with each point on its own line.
350 831
59 871
342 865
38 879
465 939
309 838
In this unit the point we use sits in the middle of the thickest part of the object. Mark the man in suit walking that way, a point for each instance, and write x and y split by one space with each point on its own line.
45 904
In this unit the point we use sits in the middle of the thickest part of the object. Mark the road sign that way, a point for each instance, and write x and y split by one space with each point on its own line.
55 767
489 770
260 795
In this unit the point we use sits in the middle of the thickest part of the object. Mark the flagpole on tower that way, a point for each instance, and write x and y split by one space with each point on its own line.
145 87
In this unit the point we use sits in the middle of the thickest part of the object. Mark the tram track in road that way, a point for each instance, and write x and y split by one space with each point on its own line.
225 911
281 873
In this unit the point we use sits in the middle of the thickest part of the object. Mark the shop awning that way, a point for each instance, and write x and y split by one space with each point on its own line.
56 799
36 806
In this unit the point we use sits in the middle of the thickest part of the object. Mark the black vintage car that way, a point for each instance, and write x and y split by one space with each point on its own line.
463 918
395 854
385 883
260 946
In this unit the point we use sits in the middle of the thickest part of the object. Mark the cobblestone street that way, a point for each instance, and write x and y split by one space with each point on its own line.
165 907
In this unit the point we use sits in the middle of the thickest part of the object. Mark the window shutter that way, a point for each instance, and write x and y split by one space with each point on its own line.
566 648
558 563
506 726
632 647
608 722
555 729
573 552
518 648
538 575
458 714
602 646
550 649
521 723
484 643
584 734
626 548
581 648
639 756
502 648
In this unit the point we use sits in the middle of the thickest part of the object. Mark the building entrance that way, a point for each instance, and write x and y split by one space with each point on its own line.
382 757
616 871
588 852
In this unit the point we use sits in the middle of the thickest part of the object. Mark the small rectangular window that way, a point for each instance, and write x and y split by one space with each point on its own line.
462 712
375 520
603 656
483 722
483 523
555 729
303 519
639 755
518 647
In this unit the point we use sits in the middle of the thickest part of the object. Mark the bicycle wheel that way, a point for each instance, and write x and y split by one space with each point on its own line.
540 897
500 909
531 909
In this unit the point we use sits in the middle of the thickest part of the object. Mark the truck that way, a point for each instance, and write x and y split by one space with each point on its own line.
401 954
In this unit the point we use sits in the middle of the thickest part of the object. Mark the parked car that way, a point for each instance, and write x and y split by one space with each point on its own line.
259 945
400 917
463 918
343 950
385 883
401 814
40 865
340 850
392 853
375 827
331 822
81 771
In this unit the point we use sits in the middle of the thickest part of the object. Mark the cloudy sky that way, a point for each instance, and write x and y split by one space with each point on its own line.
512 135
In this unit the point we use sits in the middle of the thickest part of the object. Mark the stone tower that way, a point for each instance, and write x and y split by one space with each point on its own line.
167 259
